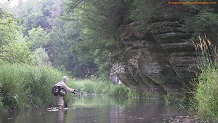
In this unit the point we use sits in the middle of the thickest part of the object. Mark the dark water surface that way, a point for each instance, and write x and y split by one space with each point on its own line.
99 109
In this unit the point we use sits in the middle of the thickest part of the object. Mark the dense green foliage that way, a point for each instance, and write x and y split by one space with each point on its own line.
13 48
61 39
44 27
25 86
100 86
38 13
37 37
8 28
101 22
16 52
40 57
206 94
203 19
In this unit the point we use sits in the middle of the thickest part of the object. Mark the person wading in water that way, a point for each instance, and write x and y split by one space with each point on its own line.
60 90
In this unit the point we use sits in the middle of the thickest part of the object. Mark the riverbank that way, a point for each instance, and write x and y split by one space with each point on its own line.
95 85
23 87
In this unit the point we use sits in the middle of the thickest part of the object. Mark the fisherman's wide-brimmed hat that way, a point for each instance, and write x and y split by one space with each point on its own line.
65 78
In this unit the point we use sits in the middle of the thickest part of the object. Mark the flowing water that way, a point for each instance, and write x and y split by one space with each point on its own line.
99 109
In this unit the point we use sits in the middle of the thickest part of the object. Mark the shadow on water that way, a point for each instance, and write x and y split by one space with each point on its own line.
99 109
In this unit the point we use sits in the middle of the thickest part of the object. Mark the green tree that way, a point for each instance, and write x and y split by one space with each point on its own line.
31 15
101 22
39 13
202 20
16 52
63 36
37 37
41 57
13 48
8 28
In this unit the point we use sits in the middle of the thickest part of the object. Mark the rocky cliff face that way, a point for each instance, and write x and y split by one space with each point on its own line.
157 56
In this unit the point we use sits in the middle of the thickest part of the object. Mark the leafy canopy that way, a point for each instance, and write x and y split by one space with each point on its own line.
13 48
101 22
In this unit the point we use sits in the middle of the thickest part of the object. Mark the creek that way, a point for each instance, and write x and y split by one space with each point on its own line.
100 109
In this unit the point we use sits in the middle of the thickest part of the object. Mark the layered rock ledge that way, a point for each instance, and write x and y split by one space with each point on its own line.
158 56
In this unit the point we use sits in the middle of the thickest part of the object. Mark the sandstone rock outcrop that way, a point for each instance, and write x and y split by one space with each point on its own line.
158 57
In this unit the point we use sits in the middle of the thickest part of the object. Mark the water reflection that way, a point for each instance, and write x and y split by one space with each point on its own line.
116 114
99 110
61 116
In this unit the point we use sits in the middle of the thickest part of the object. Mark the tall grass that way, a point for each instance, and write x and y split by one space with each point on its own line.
25 86
206 93
102 86
91 86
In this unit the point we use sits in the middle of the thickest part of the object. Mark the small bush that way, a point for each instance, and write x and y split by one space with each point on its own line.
102 88
119 90
89 87
92 86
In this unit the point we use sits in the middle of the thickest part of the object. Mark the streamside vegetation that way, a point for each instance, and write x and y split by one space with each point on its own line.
25 87
205 96
96 86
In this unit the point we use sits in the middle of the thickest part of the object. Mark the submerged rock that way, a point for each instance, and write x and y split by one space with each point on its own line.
185 119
